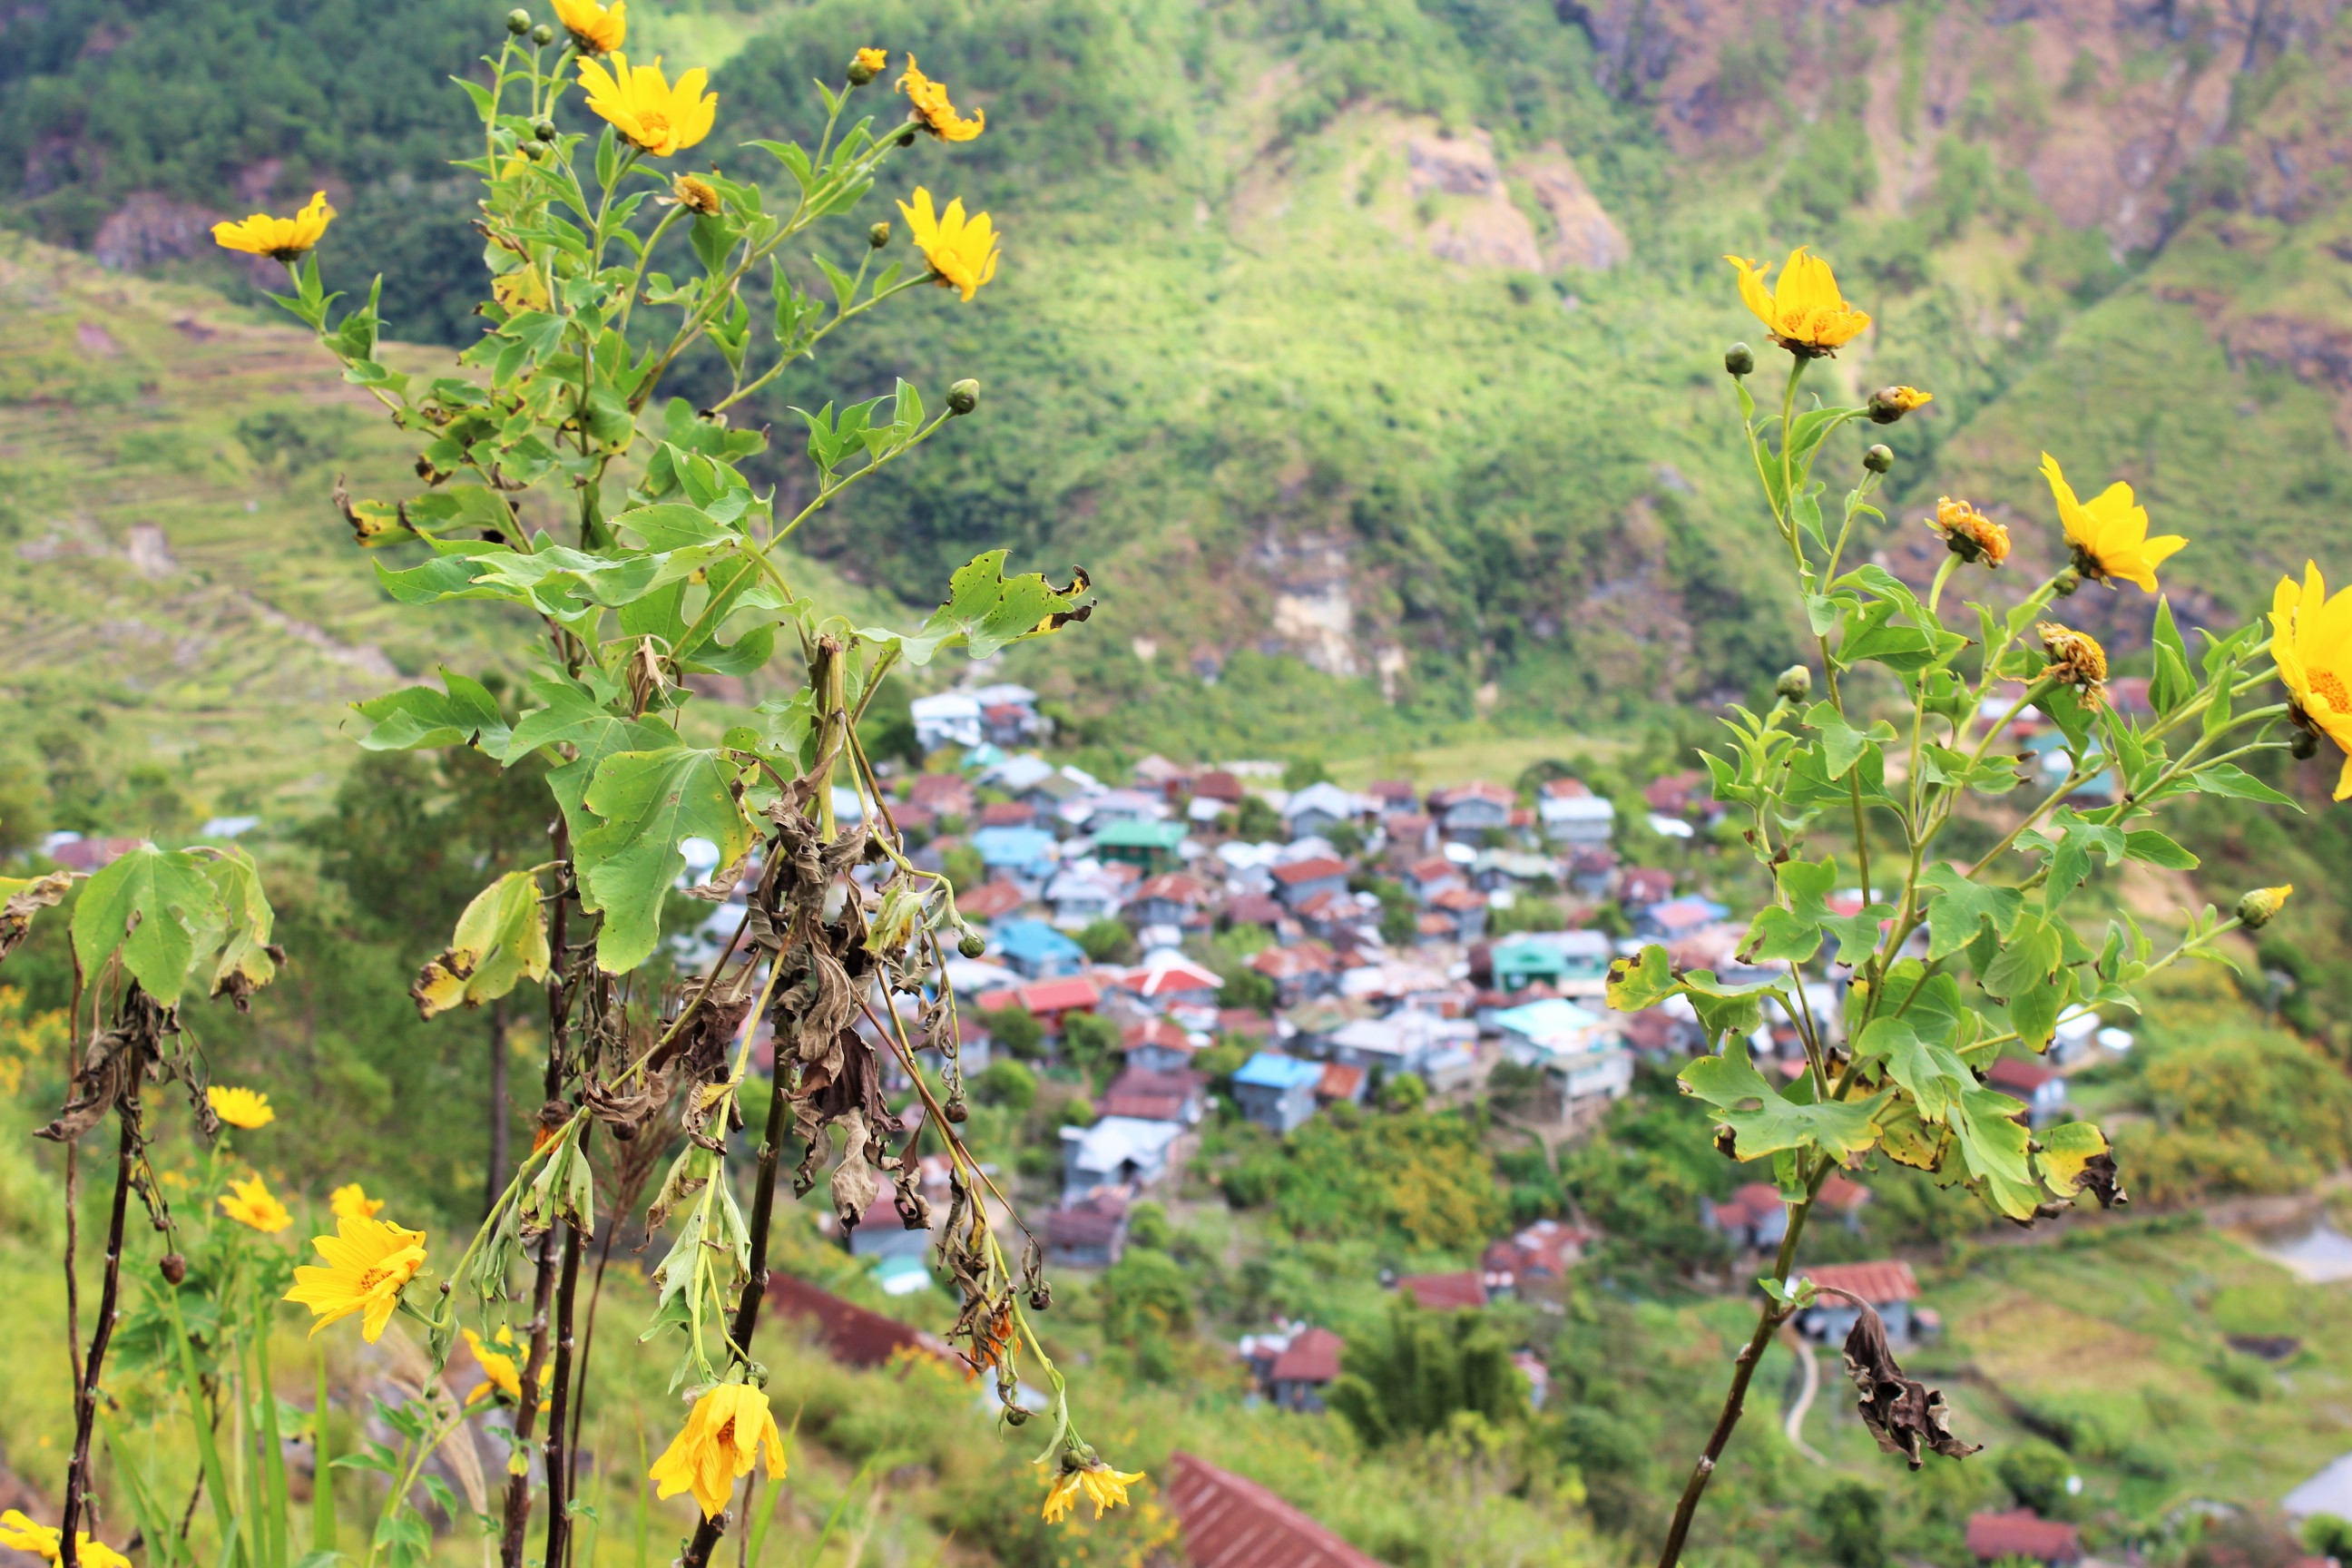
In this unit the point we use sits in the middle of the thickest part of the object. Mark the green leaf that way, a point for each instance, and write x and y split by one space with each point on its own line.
2148 844
2229 780
2171 684
1929 1071
987 611
1763 1121
246 962
2070 862
1960 909
650 802
1842 744
153 906
1643 981
2067 1151
500 942
465 714
1793 934
1993 1142
1727 1009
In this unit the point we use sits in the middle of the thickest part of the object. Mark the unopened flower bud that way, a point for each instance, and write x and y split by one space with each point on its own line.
1879 459
879 236
542 34
2304 744
2255 909
174 1268
866 64
972 946
531 151
906 138
1015 1416
1889 403
518 21
1794 683
1739 359
544 129
1041 1296
2066 582
963 397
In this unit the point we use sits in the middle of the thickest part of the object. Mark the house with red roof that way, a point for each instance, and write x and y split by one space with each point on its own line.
2023 1533
1255 910
1301 880
1887 1284
1308 1365
1048 1000
1090 1233
1639 886
1464 1290
1467 811
1536 1259
1175 899
1219 785
1230 1522
1433 875
990 901
852 1335
1752 1218
1148 1096
1008 813
1340 1082
1156 1044
1463 913
948 794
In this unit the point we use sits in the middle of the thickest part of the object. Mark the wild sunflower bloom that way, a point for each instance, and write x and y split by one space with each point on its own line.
723 1436
646 108
501 1376
868 64
962 252
1803 310
2258 908
695 194
21 1534
351 1200
1889 403
368 1262
240 1107
2077 660
2311 638
2109 532
596 28
1969 533
282 238
250 1202
929 99
1097 1483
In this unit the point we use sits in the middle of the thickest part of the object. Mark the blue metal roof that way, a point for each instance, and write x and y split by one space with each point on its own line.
1271 1069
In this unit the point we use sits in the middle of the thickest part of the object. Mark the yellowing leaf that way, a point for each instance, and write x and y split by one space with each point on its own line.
500 942
1763 1121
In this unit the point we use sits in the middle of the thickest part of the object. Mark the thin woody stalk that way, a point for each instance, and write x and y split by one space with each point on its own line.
78 1480
559 1469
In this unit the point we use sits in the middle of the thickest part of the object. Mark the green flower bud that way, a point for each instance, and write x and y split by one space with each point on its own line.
963 397
972 946
906 137
530 150
1795 683
542 34
1879 459
1015 1416
879 236
2066 582
1739 359
544 129
2255 909
2304 744
518 21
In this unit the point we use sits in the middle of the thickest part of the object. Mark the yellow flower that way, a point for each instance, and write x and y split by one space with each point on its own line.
2109 533
647 109
2311 638
1969 533
1804 311
21 1534
873 62
250 1202
368 1262
2077 660
1908 398
1102 1486
500 1375
282 238
722 1438
240 1107
593 27
2258 908
350 1201
929 99
963 253
695 193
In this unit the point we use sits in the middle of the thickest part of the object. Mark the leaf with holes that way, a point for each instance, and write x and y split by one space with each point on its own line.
649 803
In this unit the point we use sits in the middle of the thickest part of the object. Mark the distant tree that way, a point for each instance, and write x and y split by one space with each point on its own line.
2035 1473
888 729
1852 1517
1257 821
1107 940
1346 838
1245 987
1007 1083
1305 770
1145 1300
1405 1093
1089 1042
1526 912
1424 1370
964 867
1017 1030
1146 1226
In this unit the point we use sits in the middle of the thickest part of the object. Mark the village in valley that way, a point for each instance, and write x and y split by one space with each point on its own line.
1200 955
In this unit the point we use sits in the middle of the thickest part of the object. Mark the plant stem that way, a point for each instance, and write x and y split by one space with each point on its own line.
518 1504
1769 1319
558 1470
80 1496
755 1287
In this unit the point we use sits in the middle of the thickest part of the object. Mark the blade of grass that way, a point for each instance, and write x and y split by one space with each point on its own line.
322 1488
276 1524
154 1527
207 1447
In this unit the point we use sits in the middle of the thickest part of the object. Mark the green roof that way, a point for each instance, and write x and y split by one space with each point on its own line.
1141 835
